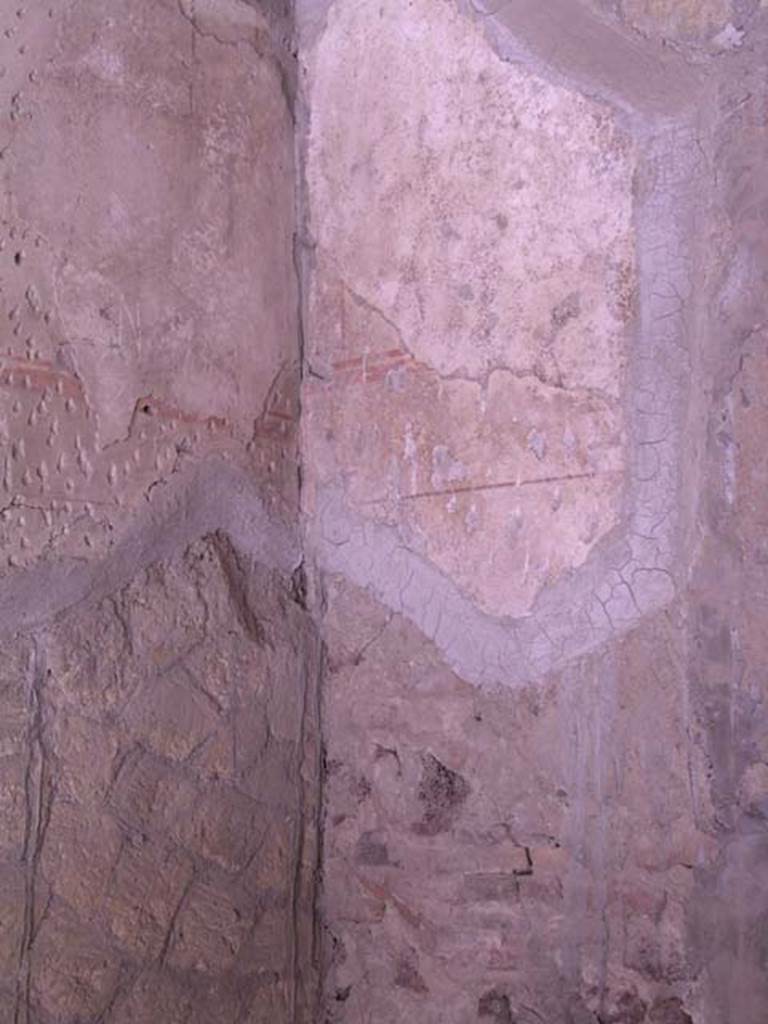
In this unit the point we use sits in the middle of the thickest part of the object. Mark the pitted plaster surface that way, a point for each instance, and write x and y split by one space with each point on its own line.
146 324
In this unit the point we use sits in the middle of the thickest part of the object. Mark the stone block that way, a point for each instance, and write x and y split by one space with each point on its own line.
219 824
171 718
211 928
75 973
13 802
15 684
148 884
159 995
80 850
137 787
13 899
89 661
86 752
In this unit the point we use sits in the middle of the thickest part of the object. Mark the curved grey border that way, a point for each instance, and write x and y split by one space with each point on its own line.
639 568
212 495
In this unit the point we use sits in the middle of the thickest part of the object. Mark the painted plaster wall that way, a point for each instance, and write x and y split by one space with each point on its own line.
149 306
518 544
544 783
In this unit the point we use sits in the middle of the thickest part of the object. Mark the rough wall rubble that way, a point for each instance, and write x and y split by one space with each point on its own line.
158 772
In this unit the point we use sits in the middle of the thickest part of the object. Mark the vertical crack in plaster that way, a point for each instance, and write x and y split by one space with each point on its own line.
38 789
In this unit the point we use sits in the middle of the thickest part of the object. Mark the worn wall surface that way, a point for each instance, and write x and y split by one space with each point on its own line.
524 461
154 800
535 497
148 302
492 301
383 496
158 778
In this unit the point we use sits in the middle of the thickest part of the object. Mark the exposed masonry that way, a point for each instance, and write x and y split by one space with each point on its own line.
160 874
621 771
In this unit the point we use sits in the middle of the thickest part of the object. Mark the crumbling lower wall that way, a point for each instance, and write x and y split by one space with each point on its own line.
158 801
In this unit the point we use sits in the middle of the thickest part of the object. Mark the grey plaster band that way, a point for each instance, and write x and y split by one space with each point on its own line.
640 566
213 496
